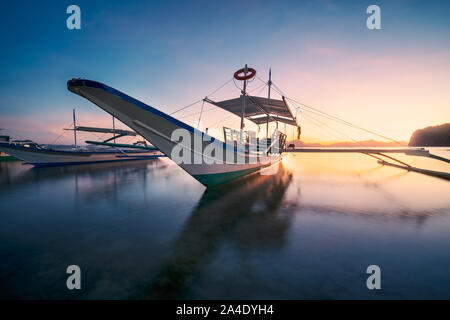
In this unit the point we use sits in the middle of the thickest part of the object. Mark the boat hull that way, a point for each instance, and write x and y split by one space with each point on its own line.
48 157
159 128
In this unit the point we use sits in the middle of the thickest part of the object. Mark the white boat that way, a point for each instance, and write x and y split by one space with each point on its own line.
48 156
51 155
229 160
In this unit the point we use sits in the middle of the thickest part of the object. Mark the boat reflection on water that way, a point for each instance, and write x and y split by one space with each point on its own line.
20 175
148 230
245 213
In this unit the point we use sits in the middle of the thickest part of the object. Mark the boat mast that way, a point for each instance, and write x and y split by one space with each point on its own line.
74 129
243 104
114 130
269 84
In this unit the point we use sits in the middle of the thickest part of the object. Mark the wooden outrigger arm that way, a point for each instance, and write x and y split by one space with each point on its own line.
378 153
121 145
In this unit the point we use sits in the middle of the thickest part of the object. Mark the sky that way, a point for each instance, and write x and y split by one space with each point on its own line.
170 53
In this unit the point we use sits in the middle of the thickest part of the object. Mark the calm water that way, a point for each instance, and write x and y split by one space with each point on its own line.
148 230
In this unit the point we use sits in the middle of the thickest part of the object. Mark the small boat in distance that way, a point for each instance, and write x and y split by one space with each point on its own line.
207 159
96 151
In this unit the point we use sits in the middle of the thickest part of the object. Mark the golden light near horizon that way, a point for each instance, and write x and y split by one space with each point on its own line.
388 94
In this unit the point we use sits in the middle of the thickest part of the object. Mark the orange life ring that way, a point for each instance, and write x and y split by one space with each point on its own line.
251 74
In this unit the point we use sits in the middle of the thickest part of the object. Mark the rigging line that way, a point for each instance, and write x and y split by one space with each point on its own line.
332 133
345 122
185 107
248 81
317 124
102 137
331 128
327 134
98 137
335 118
340 133
130 139
259 92
193 114
57 138
337 131
228 81
240 89
260 87
200 116
14 133
260 79
63 132
280 91
195 102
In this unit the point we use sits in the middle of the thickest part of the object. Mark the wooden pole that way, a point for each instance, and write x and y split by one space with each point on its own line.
74 129
269 83
114 129
243 104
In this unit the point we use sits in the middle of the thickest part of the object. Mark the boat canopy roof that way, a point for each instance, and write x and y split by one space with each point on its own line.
259 110
105 130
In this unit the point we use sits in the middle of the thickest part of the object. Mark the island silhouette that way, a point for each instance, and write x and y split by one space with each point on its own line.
432 136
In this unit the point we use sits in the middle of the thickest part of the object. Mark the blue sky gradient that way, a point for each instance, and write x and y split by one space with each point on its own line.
169 53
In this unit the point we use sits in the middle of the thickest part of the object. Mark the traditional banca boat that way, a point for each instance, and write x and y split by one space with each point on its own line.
208 159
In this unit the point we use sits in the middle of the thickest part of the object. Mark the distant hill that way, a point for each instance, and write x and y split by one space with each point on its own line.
349 144
365 143
437 136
